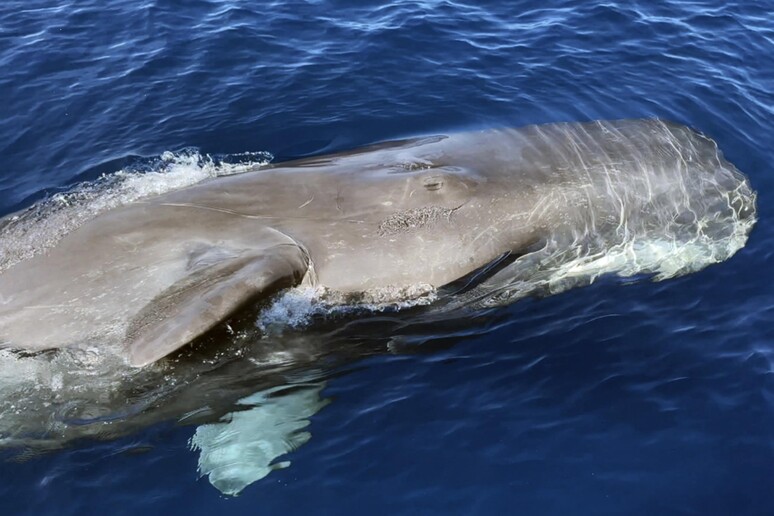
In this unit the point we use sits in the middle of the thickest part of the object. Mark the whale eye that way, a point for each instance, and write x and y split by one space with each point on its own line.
433 183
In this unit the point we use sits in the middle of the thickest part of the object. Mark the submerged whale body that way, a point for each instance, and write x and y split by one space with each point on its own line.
494 215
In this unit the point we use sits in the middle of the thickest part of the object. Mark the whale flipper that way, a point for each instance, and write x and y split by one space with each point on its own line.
200 301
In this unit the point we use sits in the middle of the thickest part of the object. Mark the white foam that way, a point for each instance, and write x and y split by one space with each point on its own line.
297 307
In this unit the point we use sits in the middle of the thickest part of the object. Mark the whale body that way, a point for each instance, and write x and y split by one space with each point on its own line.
491 214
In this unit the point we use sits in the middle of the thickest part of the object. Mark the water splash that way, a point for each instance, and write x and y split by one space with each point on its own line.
42 225
298 307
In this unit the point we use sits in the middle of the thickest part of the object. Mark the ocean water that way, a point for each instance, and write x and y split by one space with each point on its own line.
624 397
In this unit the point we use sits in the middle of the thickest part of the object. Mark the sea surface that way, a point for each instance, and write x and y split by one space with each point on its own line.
620 398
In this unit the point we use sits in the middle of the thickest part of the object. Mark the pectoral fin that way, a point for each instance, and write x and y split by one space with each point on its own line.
196 304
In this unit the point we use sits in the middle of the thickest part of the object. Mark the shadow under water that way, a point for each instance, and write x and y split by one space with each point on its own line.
249 389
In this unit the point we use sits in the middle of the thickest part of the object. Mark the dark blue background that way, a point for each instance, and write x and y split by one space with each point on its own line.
652 398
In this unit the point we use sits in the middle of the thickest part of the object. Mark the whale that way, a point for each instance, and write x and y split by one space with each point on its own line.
393 248
474 218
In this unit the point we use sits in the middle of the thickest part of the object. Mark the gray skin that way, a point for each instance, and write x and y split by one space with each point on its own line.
152 276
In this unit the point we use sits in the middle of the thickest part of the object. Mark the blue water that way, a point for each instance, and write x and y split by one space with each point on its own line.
637 399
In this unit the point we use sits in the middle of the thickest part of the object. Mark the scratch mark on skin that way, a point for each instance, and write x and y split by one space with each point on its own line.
415 218
306 203
338 197
489 231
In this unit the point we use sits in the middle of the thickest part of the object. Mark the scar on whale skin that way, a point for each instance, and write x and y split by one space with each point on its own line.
415 218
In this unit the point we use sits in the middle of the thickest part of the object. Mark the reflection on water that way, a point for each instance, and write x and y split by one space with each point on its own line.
242 447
